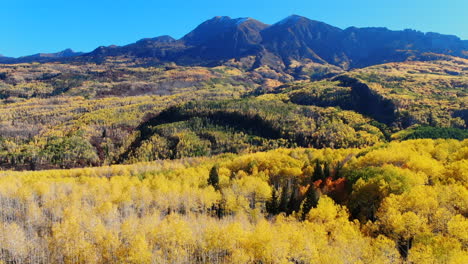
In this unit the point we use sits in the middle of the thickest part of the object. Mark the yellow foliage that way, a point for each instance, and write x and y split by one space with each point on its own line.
166 212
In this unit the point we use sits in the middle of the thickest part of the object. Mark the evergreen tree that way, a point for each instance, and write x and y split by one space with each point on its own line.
338 168
318 172
310 201
272 206
213 179
293 203
283 206
326 170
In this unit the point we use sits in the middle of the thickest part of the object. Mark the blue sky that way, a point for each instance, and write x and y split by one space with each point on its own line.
32 26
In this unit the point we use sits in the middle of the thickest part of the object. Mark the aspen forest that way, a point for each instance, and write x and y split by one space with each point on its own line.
396 202
240 142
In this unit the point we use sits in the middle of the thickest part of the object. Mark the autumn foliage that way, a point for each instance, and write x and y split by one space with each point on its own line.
401 202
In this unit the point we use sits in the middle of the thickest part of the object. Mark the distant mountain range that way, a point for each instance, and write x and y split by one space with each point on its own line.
254 43
42 57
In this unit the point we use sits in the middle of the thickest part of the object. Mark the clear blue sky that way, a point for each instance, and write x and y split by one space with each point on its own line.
32 26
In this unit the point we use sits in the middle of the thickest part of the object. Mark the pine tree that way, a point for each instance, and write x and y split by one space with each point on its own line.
337 170
326 170
213 179
318 172
283 206
310 201
292 204
272 205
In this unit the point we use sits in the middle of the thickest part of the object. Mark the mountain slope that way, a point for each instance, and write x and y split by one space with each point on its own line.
280 45
399 94
217 39
370 46
148 47
225 38
45 57
4 59
295 38
300 38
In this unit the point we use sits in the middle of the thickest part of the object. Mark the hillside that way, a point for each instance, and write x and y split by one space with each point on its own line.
433 93
109 109
400 95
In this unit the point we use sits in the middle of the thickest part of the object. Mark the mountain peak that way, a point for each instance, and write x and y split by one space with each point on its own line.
291 19
221 18
66 53
160 39
218 26
295 38
228 21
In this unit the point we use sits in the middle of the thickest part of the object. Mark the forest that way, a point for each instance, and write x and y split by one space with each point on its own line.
126 161
123 111
398 202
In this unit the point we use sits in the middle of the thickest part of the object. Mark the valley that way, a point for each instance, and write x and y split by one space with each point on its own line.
240 142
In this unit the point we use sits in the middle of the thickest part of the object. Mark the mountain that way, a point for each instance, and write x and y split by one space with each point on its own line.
67 53
300 38
45 57
220 38
4 59
225 38
294 38
370 46
148 47
238 133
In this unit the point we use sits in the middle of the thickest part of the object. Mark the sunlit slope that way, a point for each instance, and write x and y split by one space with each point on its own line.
102 110
409 200
432 92
400 95
248 125
113 77
75 132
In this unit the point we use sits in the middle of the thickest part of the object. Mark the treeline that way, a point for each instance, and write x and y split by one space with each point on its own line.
391 203
433 132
